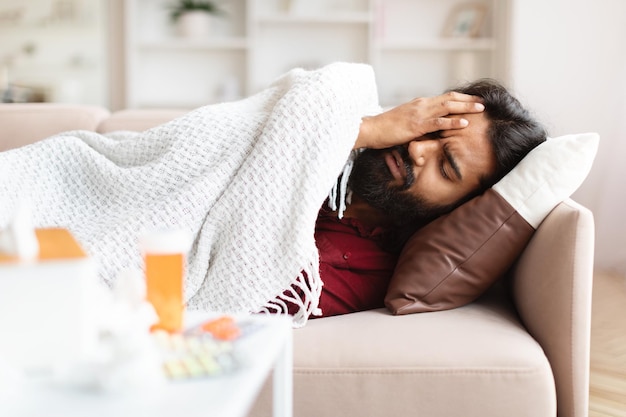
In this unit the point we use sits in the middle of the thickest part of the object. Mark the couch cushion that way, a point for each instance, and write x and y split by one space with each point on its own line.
23 124
476 360
138 120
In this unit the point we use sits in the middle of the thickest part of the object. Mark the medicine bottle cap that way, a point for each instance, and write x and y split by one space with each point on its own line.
165 241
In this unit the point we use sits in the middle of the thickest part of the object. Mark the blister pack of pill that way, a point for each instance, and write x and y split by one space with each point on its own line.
196 355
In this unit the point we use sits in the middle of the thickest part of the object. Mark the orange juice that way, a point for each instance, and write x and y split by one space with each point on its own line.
165 257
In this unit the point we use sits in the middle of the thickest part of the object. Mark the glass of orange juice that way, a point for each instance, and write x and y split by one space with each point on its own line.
165 254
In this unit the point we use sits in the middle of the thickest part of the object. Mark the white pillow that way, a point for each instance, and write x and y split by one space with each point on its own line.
549 174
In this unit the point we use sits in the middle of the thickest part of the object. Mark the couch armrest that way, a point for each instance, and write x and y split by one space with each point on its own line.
23 124
552 286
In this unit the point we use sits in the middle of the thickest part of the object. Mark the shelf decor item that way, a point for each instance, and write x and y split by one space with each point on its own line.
193 17
465 20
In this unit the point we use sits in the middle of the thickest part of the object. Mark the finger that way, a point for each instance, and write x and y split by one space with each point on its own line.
455 96
457 122
460 107
444 123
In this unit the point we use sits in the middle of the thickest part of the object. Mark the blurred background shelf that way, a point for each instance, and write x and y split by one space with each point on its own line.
410 43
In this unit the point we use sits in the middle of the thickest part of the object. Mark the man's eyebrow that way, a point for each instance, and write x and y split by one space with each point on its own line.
450 158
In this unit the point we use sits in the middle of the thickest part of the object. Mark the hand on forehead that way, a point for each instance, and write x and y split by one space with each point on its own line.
417 118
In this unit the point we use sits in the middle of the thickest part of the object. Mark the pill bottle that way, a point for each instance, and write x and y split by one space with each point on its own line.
165 259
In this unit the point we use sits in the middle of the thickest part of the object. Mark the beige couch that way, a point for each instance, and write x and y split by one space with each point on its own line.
520 350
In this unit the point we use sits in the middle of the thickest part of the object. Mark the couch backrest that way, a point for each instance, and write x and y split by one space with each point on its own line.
138 120
22 124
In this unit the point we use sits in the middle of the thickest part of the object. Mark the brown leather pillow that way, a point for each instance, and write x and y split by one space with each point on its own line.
455 258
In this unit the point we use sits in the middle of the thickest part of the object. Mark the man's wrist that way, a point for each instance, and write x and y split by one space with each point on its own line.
365 133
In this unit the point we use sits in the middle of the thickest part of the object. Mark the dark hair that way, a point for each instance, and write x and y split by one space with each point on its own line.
513 131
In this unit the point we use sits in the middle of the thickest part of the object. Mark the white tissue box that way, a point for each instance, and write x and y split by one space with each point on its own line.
46 306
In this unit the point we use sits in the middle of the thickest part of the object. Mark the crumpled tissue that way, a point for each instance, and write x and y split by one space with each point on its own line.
127 357
18 237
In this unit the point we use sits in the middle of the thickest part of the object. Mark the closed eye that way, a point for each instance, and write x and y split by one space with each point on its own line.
442 168
448 158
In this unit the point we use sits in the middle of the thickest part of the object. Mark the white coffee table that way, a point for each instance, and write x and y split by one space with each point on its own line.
229 395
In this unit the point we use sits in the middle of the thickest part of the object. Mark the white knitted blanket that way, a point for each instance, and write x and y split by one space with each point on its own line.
246 179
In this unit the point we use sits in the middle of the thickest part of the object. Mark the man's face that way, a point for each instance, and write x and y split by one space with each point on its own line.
427 177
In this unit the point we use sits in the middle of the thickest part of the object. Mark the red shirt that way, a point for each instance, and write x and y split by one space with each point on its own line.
354 267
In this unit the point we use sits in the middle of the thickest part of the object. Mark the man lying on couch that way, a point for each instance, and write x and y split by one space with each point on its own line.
447 150
247 181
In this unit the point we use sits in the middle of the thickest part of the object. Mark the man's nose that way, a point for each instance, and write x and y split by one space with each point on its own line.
422 149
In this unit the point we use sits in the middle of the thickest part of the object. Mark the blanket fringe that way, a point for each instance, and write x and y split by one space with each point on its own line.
306 289
340 193
304 294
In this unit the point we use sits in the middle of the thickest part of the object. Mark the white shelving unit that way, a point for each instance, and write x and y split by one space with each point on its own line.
53 51
258 40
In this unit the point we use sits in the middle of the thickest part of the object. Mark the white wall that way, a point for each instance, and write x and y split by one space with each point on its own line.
569 66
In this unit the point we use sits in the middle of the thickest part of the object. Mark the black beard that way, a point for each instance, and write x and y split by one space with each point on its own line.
371 180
